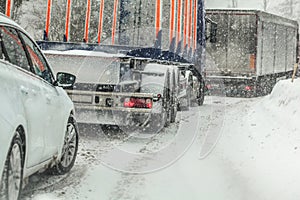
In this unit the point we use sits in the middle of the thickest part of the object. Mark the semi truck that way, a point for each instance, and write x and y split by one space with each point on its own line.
110 90
254 50
132 93
113 85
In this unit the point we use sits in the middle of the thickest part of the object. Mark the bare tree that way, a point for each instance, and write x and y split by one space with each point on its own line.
291 5
287 8
33 16
16 7
265 4
234 4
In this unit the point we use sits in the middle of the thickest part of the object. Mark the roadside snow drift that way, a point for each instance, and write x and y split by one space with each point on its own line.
284 102
262 143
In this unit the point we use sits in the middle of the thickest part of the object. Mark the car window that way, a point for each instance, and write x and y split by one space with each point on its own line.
14 48
39 64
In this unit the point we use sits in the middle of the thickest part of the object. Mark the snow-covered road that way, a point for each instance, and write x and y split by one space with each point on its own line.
230 148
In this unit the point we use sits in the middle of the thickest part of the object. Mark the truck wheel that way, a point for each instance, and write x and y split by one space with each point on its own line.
115 130
200 99
188 101
187 105
168 118
173 112
173 115
69 150
12 175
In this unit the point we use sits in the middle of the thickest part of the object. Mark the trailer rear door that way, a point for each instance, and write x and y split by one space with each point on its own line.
235 49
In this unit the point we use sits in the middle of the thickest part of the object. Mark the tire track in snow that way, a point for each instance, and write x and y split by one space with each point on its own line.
130 185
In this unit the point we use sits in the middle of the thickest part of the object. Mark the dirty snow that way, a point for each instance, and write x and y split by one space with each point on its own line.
228 149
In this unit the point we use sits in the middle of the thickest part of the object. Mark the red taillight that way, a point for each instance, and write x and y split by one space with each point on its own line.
148 103
129 102
248 88
208 86
137 103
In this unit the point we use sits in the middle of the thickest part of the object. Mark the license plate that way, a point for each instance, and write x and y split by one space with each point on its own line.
81 98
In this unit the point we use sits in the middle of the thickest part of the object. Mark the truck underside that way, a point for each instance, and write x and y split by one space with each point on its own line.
244 86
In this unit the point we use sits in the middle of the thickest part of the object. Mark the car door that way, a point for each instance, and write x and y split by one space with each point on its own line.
30 93
52 120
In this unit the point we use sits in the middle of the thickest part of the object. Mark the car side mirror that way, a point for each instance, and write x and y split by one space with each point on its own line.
65 80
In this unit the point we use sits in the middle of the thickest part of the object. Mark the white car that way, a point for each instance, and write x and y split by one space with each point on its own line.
38 130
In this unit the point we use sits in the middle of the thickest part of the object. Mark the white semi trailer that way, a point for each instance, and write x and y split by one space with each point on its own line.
254 49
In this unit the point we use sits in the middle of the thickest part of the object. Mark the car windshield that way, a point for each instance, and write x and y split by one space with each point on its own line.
152 100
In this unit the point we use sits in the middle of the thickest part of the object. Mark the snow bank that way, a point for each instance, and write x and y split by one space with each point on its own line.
262 143
284 101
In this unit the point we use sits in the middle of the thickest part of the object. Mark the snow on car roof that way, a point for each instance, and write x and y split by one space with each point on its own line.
154 67
83 53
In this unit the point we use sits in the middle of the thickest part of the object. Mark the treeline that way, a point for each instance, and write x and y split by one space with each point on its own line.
31 14
135 18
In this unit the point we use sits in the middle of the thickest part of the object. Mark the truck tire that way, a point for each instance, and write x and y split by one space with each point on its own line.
173 111
200 99
173 115
168 117
187 105
115 130
265 85
187 100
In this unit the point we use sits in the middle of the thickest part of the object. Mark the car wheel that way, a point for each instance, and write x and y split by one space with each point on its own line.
70 148
12 176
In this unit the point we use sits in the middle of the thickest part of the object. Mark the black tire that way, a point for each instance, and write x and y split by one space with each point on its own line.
200 99
173 111
168 107
265 86
173 115
117 132
69 150
12 175
168 117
